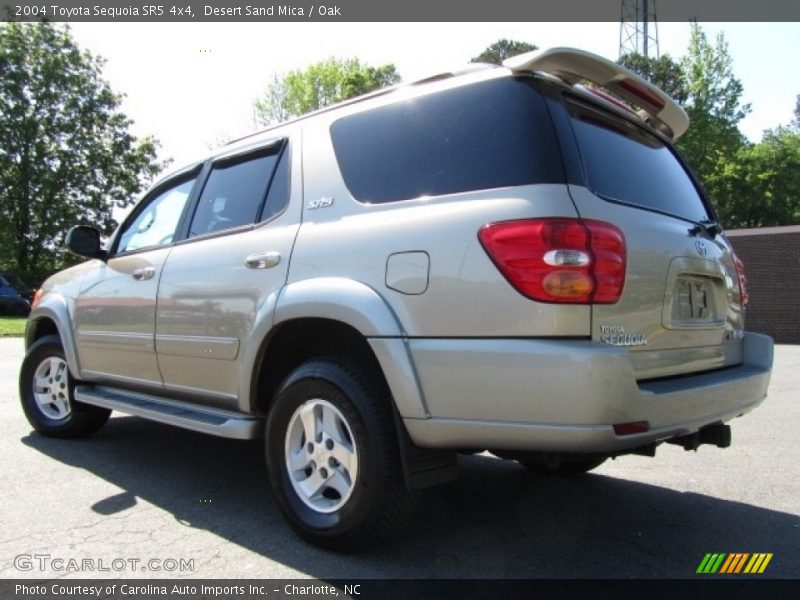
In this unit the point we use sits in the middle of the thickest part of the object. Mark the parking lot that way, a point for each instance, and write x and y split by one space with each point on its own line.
152 497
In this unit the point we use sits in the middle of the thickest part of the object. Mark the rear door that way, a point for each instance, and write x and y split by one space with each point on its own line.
680 310
226 273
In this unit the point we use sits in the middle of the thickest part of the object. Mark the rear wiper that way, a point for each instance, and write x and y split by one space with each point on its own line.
712 228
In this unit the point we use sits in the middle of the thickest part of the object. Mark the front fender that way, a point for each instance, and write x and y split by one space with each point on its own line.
53 306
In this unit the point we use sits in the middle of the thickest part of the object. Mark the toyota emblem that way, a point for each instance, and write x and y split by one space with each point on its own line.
701 248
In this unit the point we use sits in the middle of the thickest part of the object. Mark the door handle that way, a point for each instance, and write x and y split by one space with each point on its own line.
144 273
262 260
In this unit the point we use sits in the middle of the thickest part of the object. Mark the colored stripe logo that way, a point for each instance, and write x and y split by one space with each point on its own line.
734 563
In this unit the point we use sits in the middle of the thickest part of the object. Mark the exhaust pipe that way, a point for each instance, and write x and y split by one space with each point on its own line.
716 434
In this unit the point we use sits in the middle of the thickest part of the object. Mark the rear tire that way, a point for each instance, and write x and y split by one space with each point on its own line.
333 456
47 392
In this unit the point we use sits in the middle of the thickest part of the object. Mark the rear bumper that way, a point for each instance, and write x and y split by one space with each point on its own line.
565 396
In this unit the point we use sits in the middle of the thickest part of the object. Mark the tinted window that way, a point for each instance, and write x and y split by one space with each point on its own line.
155 224
278 195
487 135
232 195
624 162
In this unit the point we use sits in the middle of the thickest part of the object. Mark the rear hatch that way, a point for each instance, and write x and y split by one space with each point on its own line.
680 309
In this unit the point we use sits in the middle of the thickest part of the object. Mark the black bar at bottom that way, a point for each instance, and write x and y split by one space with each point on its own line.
733 587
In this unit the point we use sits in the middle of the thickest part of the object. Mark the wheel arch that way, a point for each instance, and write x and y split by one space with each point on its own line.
51 317
292 342
329 315
339 299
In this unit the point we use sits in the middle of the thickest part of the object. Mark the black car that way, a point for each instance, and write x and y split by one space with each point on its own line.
15 296
9 279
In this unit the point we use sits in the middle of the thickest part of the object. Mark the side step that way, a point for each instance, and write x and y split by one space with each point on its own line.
172 412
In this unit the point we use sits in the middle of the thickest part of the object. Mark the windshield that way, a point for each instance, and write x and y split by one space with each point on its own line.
627 164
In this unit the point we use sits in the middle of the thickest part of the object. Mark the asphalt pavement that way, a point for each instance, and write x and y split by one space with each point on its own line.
140 499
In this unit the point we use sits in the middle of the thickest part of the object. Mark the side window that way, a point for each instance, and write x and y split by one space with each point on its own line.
233 194
486 135
279 191
155 225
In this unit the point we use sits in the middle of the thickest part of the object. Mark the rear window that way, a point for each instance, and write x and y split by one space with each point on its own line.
487 135
627 164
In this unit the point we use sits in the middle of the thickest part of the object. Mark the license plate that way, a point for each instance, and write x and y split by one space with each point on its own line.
693 301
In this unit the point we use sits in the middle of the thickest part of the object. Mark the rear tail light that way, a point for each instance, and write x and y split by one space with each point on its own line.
745 297
642 93
576 261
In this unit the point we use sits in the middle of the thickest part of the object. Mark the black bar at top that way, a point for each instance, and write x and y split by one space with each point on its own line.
390 10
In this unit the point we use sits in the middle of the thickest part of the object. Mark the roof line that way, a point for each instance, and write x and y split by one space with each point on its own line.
469 68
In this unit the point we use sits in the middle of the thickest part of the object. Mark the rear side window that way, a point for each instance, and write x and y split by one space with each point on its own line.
233 194
487 135
627 164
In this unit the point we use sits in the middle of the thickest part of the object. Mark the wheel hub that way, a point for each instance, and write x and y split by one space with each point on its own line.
51 388
321 455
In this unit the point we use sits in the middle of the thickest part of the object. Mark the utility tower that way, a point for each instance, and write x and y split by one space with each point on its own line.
638 28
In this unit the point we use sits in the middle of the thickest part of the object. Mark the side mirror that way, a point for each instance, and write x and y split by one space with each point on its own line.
85 241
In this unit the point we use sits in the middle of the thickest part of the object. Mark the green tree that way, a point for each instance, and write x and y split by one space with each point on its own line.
272 108
796 122
320 85
761 185
503 49
663 72
66 153
715 110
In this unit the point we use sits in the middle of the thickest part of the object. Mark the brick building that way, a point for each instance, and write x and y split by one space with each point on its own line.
771 256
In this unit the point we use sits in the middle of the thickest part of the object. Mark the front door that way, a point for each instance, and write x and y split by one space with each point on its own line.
115 312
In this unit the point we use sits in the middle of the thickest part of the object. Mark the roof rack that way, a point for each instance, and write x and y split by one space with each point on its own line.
573 66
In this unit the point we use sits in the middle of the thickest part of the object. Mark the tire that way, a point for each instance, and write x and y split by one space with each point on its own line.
46 390
344 490
564 467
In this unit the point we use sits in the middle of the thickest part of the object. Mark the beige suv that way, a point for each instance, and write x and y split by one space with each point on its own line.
499 259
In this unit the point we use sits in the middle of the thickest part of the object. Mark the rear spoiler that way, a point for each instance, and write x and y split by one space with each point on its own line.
573 66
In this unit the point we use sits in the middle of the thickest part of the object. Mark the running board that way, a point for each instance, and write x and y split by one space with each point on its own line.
172 412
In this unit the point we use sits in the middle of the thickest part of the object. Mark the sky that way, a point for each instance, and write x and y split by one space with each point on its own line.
193 85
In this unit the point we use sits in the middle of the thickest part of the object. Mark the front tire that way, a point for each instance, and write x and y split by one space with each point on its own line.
47 392
333 456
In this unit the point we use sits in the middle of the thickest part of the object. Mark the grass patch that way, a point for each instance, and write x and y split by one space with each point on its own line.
12 326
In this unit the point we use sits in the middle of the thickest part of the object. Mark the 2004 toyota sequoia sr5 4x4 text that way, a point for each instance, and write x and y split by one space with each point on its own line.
499 259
